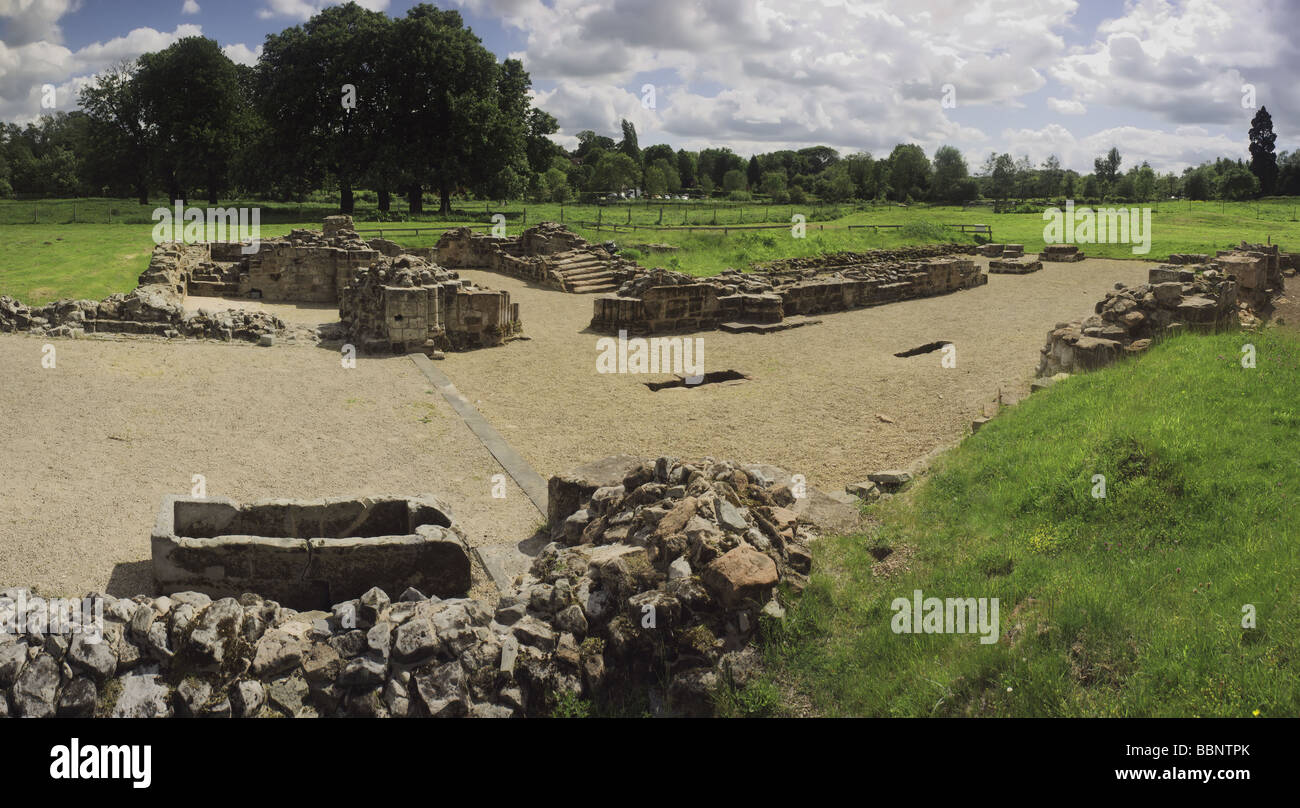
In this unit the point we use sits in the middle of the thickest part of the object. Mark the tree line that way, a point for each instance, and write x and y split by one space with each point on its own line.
355 99
352 98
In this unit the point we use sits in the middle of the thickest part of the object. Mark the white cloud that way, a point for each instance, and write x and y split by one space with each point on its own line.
190 7
25 68
1066 107
239 53
303 10
28 21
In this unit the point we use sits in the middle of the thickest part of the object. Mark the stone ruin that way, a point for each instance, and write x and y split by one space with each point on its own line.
154 307
781 294
407 304
1214 294
308 554
548 254
706 546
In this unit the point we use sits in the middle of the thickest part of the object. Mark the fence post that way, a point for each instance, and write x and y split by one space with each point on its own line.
561 212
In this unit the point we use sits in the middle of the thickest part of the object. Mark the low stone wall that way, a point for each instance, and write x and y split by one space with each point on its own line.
154 307
660 301
654 592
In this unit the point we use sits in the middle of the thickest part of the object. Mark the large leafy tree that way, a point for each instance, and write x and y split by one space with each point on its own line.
302 76
1263 161
123 134
459 110
190 94
951 175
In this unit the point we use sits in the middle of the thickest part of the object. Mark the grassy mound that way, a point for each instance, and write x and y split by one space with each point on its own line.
1127 605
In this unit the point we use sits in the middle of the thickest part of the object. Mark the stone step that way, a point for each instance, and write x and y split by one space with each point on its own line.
591 288
594 272
571 266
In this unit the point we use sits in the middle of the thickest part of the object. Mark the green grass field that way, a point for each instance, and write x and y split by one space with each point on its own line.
1131 605
109 244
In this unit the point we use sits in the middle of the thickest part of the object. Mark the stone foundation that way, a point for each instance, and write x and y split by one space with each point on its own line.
1061 253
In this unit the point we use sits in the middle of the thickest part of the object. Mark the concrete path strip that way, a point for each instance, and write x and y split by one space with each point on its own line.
530 481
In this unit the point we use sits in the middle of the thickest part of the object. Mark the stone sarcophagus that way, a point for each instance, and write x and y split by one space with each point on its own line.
309 554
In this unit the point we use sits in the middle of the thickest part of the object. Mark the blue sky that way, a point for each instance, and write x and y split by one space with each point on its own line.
1161 79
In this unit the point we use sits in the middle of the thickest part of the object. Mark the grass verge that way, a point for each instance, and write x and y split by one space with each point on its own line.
1127 605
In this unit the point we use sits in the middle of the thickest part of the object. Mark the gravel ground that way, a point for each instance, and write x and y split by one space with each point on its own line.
93 445
817 391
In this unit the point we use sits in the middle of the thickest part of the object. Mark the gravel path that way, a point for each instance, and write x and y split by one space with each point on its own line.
93 445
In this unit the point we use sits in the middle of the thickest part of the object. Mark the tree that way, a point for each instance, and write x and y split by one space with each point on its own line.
1003 176
588 140
909 171
1106 168
733 180
113 103
1050 176
1263 162
615 172
628 144
1144 183
687 163
773 183
463 114
655 182
320 87
190 95
1237 183
950 175
754 173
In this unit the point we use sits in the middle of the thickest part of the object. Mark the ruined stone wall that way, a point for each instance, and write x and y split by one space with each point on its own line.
406 304
662 302
301 272
1128 320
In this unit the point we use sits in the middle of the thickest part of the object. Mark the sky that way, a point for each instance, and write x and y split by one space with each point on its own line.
1170 82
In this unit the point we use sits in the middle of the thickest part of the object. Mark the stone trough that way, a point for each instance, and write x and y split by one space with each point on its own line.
308 554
